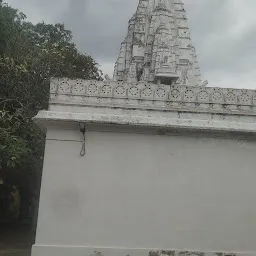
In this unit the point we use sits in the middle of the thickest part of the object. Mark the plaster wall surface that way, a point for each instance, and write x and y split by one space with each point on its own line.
148 191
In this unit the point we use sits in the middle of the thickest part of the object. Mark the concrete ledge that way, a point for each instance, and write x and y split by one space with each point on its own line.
43 250
165 121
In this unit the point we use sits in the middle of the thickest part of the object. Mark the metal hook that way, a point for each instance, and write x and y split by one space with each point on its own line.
83 131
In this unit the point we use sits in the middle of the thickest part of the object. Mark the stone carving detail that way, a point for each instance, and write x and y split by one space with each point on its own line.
231 97
203 96
175 94
64 87
120 90
54 85
147 92
189 95
158 46
106 90
92 88
244 98
183 98
78 87
160 93
217 96
134 91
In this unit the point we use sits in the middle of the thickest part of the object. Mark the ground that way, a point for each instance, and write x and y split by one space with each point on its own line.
15 240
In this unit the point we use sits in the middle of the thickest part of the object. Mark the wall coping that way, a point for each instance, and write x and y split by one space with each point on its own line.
150 96
147 105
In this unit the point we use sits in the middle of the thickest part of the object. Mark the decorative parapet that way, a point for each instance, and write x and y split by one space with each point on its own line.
152 97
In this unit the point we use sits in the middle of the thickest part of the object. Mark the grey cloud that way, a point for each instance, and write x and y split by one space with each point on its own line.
38 10
99 26
221 50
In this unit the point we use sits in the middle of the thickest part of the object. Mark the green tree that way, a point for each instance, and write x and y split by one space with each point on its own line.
29 56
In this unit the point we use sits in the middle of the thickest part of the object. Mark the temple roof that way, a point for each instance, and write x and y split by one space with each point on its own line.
158 47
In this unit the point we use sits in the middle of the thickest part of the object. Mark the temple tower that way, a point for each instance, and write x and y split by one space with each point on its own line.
158 47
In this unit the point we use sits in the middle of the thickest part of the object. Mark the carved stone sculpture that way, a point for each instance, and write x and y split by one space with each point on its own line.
157 47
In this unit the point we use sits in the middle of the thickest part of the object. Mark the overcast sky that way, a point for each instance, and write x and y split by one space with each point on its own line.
223 32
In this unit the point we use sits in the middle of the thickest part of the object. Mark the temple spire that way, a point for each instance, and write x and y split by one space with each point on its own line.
158 47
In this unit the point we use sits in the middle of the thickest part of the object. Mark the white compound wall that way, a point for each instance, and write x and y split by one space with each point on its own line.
146 191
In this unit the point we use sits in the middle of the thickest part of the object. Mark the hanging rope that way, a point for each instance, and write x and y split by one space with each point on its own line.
82 130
